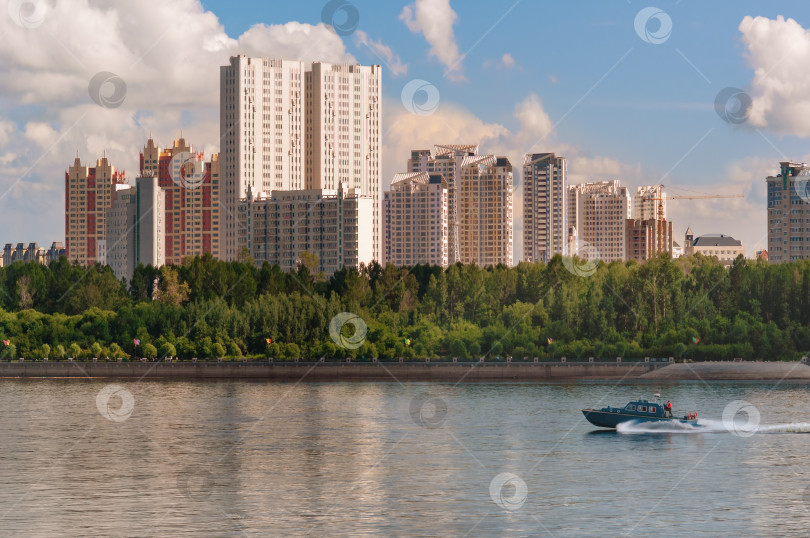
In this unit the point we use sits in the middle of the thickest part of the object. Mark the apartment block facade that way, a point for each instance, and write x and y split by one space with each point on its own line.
545 207
647 238
789 213
88 196
136 227
415 220
485 198
446 160
192 188
598 213
334 225
289 125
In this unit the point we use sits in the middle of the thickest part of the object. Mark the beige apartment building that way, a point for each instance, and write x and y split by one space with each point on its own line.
88 196
485 211
598 212
545 207
415 220
336 226
290 125
445 160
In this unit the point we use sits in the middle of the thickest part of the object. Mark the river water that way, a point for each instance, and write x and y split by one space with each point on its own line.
93 457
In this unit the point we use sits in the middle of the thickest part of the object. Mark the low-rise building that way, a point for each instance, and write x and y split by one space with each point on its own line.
31 253
724 247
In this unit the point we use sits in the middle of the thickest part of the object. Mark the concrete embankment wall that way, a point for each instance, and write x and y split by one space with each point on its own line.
329 371
717 371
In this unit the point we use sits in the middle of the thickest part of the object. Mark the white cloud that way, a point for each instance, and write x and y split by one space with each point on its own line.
166 53
388 57
779 52
6 130
507 61
435 19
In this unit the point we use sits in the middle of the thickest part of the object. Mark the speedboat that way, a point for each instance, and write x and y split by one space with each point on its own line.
637 410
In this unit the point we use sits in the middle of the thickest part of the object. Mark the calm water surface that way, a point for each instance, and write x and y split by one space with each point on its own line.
236 458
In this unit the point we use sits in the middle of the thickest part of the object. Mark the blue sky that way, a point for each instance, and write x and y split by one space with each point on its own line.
585 82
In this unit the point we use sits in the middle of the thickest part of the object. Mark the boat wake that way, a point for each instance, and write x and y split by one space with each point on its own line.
710 426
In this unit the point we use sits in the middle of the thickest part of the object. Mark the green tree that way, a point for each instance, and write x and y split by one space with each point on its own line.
149 351
167 350
45 351
59 353
218 350
95 350
75 351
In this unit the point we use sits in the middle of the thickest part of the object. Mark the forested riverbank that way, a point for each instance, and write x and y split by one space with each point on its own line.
691 308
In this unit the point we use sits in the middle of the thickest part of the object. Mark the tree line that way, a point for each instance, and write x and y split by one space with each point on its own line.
689 308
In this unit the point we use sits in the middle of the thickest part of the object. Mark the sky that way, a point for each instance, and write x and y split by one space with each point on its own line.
703 97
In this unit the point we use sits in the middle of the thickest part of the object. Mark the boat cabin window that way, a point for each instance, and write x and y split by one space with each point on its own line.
643 408
631 407
652 409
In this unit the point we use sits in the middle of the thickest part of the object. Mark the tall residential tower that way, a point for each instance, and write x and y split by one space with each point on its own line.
545 207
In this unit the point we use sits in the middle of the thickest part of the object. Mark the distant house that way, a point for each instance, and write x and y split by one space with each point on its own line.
724 247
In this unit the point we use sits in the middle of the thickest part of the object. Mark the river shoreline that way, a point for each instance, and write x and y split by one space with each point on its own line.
411 371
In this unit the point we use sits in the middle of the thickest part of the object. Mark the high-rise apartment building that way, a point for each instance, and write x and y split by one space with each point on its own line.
648 238
485 211
415 220
650 202
192 188
789 213
336 226
545 207
88 195
288 125
446 161
599 211
136 227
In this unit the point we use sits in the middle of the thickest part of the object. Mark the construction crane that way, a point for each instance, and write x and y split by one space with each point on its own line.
660 201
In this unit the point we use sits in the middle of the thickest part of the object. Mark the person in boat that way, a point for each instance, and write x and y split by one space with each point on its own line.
668 409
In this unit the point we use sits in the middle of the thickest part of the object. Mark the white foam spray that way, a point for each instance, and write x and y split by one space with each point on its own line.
708 426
